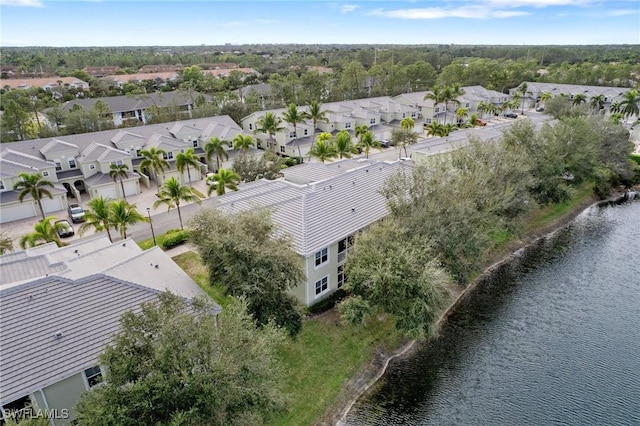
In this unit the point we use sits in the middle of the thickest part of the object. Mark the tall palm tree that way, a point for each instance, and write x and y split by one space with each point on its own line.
522 90
294 116
630 104
270 124
187 159
407 124
434 129
98 216
615 108
222 180
45 231
122 215
597 103
154 161
484 107
367 142
216 147
323 150
35 186
242 143
119 171
455 92
172 193
545 96
579 98
436 95
316 113
342 144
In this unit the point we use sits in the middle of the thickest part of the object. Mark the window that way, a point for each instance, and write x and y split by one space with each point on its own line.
93 375
250 126
195 143
45 174
2 187
322 256
372 121
347 125
117 162
413 115
437 109
466 105
322 286
282 149
427 120
58 165
343 248
306 132
404 115
341 278
92 166
292 135
168 155
138 152
72 163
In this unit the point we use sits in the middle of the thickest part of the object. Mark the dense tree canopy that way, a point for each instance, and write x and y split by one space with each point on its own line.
175 363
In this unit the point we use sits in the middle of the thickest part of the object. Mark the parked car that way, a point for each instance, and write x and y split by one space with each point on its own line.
64 228
385 143
480 122
511 115
76 213
539 109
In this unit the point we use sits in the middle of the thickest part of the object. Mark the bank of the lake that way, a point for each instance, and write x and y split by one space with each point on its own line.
549 337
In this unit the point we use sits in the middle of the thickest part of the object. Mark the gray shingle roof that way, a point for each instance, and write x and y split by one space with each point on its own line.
99 152
55 327
56 146
319 214
309 172
25 159
123 139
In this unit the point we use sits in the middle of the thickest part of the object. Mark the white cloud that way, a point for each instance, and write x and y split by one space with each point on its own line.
24 3
467 12
346 8
622 12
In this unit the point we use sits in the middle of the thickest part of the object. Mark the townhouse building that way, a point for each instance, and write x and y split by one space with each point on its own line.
79 165
536 89
48 83
61 307
321 206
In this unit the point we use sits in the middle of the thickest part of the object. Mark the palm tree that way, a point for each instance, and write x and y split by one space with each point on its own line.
216 147
597 103
172 193
367 142
461 114
294 116
436 95
119 171
123 214
434 129
615 108
187 159
484 107
522 90
270 124
98 216
455 92
5 243
545 96
242 143
222 180
45 231
407 124
35 186
323 149
580 98
316 113
630 104
342 144
154 161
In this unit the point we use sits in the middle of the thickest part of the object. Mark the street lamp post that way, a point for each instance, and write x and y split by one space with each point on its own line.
151 223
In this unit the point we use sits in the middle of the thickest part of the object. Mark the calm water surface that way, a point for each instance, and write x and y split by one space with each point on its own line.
553 338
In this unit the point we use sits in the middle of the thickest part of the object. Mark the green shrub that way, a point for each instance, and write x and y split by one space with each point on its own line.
327 303
174 238
635 158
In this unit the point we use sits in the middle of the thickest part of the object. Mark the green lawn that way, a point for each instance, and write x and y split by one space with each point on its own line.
550 213
321 359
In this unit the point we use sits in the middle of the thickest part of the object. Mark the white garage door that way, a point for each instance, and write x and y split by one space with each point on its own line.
52 206
16 212
108 192
130 188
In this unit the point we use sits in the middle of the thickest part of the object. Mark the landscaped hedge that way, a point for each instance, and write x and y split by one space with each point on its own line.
328 303
636 158
173 238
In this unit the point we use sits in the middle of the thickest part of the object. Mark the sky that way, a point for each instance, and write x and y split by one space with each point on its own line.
212 22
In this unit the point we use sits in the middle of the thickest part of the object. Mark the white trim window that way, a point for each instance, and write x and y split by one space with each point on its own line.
72 163
372 121
58 165
322 256
93 375
282 149
347 125
92 166
45 174
341 277
322 286
2 187
344 246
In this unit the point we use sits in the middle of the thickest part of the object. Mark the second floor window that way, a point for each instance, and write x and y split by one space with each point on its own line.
322 256
72 163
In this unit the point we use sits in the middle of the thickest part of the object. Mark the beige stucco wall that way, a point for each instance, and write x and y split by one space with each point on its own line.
64 395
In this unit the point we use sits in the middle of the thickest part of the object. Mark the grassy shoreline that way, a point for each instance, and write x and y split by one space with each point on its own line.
330 364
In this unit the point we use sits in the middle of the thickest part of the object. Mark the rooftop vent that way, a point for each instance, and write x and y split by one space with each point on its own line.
59 335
